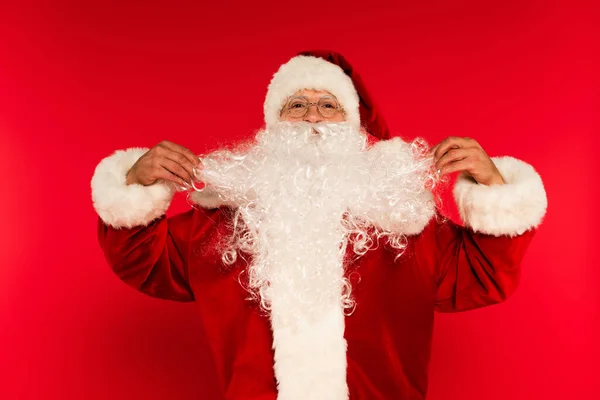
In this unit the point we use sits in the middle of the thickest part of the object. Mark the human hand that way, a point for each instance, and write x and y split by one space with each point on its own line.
168 161
455 154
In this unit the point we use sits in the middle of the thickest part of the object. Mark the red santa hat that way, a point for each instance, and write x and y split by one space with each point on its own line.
330 71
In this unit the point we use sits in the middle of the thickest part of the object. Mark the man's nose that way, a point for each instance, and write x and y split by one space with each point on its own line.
313 114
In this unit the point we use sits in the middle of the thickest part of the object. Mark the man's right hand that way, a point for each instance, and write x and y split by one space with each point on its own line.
166 160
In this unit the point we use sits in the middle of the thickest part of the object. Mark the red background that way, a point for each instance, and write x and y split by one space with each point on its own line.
81 79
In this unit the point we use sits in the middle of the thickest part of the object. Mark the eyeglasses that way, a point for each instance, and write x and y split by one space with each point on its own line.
298 106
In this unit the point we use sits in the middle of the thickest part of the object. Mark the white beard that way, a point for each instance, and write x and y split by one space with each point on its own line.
300 197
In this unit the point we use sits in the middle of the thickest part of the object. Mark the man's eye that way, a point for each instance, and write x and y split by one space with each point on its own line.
297 105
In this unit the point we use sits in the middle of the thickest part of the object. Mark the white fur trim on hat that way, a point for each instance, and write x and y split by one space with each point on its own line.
509 209
125 206
306 72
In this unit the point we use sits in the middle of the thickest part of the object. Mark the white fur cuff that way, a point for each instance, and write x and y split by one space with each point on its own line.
510 209
125 206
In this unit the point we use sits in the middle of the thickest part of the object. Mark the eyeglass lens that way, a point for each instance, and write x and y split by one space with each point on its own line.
327 106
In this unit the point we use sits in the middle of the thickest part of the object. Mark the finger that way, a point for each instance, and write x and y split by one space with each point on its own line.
197 171
162 173
454 142
444 146
176 169
439 155
432 150
453 155
179 158
461 165
180 149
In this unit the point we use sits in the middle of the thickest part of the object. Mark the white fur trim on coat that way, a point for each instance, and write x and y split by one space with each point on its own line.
306 72
509 209
310 360
125 206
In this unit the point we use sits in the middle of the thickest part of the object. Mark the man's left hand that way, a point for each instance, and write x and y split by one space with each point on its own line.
455 154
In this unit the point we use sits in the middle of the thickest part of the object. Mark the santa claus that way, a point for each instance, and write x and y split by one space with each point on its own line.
315 252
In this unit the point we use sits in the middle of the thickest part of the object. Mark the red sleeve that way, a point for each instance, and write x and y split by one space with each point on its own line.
479 264
472 269
153 258
146 249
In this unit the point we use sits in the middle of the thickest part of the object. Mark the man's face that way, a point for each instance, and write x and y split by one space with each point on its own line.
313 115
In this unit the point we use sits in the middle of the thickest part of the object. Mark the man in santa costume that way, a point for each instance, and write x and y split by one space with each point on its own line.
315 252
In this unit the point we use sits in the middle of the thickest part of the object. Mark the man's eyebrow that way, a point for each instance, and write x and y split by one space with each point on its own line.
298 97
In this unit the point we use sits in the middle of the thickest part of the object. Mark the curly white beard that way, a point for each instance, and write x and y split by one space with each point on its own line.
302 193
301 196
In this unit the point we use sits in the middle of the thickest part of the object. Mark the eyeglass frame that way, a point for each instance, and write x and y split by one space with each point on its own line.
338 108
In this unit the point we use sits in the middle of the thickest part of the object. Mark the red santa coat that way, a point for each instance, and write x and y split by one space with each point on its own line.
445 268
